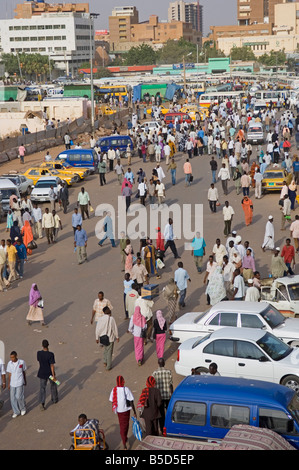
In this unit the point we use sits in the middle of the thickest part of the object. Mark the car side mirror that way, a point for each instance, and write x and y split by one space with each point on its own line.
263 359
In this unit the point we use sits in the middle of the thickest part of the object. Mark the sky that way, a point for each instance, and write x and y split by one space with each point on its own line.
216 12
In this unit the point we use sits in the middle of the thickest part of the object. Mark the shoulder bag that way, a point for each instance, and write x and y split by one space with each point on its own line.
104 339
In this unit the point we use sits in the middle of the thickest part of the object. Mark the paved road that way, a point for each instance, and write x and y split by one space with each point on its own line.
69 291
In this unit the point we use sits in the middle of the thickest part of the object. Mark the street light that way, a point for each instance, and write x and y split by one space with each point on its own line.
91 17
184 66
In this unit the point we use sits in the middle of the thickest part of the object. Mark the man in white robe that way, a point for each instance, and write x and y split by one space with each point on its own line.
252 293
160 172
268 243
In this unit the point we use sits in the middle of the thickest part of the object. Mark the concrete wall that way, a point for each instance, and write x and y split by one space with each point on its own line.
40 141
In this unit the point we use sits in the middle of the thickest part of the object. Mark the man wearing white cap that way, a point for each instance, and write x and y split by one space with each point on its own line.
241 249
252 293
233 238
268 243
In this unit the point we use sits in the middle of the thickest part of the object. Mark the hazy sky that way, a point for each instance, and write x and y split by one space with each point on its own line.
216 12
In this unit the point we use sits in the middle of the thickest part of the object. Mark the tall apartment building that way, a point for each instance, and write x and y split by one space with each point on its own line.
62 32
186 12
256 11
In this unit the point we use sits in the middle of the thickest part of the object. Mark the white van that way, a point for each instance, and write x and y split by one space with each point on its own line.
259 106
7 189
255 133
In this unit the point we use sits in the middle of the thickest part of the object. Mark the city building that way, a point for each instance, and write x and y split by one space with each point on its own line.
125 30
186 12
64 32
283 34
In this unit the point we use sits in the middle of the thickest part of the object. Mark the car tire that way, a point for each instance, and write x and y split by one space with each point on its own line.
292 382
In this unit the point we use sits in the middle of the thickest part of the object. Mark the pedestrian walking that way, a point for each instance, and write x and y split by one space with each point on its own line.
149 405
76 219
198 245
213 197
159 333
181 277
37 221
83 202
247 207
164 383
35 306
108 229
106 326
214 166
122 403
64 197
46 360
172 167
102 169
169 238
12 253
48 225
224 176
268 242
138 328
16 370
228 214
80 244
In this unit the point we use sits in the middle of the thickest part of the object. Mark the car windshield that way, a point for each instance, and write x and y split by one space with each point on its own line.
6 193
255 129
200 340
272 175
273 317
294 291
274 347
200 315
45 184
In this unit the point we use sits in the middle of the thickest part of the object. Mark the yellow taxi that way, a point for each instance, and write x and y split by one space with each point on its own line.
192 110
273 179
78 173
106 110
35 173
163 110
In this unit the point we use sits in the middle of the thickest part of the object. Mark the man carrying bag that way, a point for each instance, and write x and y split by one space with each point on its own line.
107 334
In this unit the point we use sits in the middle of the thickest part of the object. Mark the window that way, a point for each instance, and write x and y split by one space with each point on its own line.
276 420
49 26
225 319
248 350
226 416
32 27
220 347
186 412
41 26
251 321
49 38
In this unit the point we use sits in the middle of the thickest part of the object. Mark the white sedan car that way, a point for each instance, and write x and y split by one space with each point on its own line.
241 352
238 314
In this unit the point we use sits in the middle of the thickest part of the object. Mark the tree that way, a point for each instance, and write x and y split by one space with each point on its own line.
275 58
141 55
244 53
35 66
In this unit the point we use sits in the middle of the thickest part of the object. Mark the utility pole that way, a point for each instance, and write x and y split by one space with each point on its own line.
92 16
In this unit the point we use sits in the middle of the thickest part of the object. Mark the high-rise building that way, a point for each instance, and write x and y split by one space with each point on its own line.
256 11
64 32
186 12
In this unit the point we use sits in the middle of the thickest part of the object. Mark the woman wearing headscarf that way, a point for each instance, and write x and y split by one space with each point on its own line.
35 311
9 220
27 234
170 293
122 403
137 326
247 207
149 405
128 251
160 328
216 287
292 194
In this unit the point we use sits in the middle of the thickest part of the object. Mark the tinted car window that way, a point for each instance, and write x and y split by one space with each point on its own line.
225 416
275 420
228 319
247 350
221 347
186 412
251 321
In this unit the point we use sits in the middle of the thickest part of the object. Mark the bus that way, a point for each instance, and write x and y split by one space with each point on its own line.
113 90
207 99
271 95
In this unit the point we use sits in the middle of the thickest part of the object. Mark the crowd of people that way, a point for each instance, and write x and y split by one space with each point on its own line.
230 271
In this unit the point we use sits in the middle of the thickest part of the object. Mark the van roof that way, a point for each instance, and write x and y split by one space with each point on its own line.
76 151
233 389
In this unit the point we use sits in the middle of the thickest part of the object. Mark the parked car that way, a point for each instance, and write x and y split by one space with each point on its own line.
255 133
238 314
273 179
283 294
34 174
120 142
40 192
7 189
151 125
242 352
169 118
206 408
162 107
58 167
23 183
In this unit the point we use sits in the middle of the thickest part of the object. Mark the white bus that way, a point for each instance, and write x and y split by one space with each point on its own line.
206 99
271 95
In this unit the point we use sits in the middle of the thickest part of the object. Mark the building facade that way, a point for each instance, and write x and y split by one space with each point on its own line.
186 12
66 37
